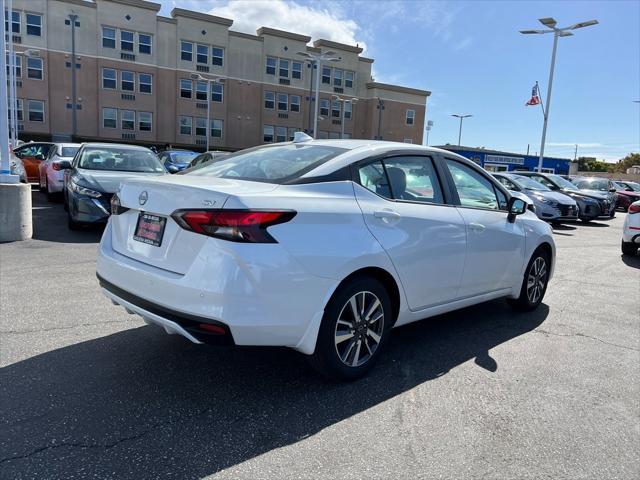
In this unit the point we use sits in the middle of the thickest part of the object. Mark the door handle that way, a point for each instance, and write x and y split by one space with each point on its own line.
477 227
387 214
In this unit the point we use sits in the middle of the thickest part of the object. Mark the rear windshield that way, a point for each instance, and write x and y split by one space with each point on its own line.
277 164
68 151
593 185
182 157
119 159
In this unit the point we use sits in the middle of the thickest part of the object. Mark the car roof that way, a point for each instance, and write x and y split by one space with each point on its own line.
114 145
68 145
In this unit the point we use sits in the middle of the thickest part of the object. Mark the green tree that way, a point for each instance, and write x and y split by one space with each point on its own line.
626 162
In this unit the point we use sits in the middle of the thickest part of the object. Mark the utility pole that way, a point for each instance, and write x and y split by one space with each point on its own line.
575 153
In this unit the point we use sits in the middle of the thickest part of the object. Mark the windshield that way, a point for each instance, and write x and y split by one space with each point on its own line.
119 159
68 151
562 183
602 185
276 164
182 157
529 183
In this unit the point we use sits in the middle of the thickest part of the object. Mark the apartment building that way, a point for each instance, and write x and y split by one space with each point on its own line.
146 78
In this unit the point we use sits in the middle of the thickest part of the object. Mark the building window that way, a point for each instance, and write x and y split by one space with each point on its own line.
127 119
110 118
144 43
145 121
126 41
283 102
185 125
284 68
201 127
296 70
217 92
335 108
36 110
271 65
185 88
18 65
202 54
281 134
216 128
411 114
323 135
201 91
127 81
109 78
15 21
19 110
108 37
348 79
268 134
334 136
324 107
186 51
326 75
346 136
34 24
407 140
269 100
217 56
145 83
295 103
292 132
34 68
337 77
347 110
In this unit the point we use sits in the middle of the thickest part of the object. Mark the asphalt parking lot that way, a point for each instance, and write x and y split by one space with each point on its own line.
88 391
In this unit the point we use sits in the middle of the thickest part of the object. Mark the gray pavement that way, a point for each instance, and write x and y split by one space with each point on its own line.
87 391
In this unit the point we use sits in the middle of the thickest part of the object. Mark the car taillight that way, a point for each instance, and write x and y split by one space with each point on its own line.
55 166
634 208
249 226
116 208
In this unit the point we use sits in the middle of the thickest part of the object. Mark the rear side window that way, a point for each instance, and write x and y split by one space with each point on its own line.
474 190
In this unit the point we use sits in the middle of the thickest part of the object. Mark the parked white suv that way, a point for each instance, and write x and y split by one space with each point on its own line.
321 246
631 230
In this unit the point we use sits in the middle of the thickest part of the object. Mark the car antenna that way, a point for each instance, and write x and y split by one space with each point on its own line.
300 137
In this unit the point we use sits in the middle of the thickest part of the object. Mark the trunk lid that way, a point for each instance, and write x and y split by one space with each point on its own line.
161 197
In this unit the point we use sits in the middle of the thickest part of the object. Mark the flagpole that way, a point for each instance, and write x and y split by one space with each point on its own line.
541 100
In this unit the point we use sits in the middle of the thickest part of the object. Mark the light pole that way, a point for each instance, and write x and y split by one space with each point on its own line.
13 101
197 76
343 103
551 23
428 129
318 58
461 117
73 20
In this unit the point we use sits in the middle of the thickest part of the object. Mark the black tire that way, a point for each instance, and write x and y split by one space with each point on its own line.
585 219
526 301
629 248
329 356
72 224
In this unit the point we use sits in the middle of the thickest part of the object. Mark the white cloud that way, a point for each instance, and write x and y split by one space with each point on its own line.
249 15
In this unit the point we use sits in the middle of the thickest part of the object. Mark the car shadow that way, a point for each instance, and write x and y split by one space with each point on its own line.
50 222
562 227
631 261
594 224
142 404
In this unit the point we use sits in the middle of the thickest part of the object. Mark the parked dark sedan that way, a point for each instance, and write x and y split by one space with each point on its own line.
599 185
177 160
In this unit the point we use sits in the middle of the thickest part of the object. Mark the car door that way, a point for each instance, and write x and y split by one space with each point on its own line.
403 204
495 246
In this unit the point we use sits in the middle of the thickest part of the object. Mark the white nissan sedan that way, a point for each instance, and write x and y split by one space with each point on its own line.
320 245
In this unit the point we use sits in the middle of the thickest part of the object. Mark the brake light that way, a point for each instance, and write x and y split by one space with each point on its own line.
55 166
634 208
116 207
249 226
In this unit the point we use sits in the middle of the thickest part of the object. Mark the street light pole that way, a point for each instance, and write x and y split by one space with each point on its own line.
74 94
428 129
13 102
551 23
318 58
461 117
343 103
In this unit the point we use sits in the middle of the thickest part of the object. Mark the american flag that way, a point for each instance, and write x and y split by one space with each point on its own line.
535 98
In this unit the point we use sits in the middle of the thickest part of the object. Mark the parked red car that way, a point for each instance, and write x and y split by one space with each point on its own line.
32 154
627 194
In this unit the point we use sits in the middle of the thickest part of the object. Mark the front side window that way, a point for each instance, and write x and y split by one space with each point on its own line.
186 51
185 125
36 110
411 114
108 37
295 103
268 133
269 100
324 107
145 83
126 41
326 75
110 118
217 92
201 127
202 54
335 108
283 102
201 90
109 78
474 190
217 56
296 70
145 121
15 21
271 65
34 24
34 68
127 81
348 79
216 128
284 68
337 78
144 43
186 86
281 134
119 159
127 119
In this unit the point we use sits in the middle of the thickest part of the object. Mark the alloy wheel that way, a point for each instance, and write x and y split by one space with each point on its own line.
536 280
359 329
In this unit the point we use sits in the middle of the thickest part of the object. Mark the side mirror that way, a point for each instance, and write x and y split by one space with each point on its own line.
515 207
172 168
612 190
64 164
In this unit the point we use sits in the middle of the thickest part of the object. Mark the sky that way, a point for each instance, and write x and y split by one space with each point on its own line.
473 59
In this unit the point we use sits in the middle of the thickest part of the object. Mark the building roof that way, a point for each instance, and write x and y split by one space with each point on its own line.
462 148
398 88
140 4
281 33
338 46
181 12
